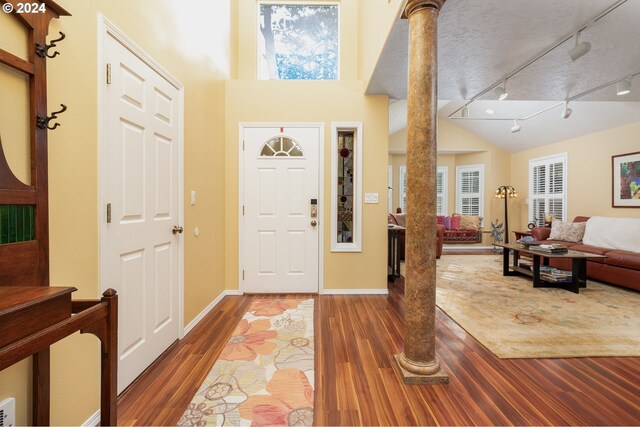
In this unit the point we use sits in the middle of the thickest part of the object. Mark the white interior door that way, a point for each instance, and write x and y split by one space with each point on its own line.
142 112
280 236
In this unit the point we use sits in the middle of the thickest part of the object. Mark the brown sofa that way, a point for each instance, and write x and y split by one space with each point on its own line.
619 267
401 220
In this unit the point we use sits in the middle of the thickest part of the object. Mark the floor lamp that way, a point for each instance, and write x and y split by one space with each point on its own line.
506 192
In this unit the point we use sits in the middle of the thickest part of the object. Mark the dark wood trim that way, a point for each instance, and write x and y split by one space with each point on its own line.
17 63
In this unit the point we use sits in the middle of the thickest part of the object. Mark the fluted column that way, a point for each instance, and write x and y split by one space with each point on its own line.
418 361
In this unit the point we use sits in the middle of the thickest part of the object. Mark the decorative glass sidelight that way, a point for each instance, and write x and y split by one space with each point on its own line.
346 227
17 223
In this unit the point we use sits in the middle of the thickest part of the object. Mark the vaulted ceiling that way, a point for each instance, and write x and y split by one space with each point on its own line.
483 41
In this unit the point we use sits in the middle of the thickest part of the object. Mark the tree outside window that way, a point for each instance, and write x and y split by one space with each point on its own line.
298 42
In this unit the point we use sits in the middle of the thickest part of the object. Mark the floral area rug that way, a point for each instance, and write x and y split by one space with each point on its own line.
514 320
265 374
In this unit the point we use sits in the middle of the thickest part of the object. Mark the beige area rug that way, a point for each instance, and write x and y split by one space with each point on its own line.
265 374
514 320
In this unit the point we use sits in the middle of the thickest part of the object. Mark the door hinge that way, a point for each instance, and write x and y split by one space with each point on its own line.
242 274
108 213
108 74
243 145
242 210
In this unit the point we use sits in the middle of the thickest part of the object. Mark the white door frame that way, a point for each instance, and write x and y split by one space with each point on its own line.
105 30
321 144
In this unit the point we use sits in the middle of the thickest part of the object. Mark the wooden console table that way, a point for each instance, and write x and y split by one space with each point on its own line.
34 317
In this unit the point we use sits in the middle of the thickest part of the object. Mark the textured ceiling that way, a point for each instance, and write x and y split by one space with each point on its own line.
482 41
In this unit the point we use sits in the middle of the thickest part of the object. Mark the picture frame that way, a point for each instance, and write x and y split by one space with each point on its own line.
625 180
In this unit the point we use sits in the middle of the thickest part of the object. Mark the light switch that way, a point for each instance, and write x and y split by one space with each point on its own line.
371 198
193 197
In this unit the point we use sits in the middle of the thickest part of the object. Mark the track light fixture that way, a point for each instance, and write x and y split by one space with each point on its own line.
465 112
516 127
580 49
567 111
623 87
501 91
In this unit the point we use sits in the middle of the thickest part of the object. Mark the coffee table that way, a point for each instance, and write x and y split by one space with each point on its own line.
578 266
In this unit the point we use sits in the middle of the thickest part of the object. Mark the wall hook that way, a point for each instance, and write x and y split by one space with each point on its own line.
43 121
42 49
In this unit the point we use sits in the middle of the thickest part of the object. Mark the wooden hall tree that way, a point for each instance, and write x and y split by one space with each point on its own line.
34 315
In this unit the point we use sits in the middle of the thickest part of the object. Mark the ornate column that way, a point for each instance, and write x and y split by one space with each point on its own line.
419 363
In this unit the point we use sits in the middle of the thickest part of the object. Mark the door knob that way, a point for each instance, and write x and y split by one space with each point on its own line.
177 229
314 223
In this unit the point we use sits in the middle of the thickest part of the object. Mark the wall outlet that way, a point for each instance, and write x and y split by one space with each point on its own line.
8 412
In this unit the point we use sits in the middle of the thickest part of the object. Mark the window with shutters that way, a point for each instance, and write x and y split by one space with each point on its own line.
403 188
470 190
548 188
441 183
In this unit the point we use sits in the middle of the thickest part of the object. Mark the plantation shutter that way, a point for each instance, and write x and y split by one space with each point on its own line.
547 183
440 192
403 188
470 191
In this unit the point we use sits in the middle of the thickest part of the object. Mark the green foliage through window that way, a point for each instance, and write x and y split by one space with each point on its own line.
298 42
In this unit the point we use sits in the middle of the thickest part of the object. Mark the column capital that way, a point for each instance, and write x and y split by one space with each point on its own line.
415 5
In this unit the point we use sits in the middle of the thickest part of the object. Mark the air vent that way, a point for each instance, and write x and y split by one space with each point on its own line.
8 412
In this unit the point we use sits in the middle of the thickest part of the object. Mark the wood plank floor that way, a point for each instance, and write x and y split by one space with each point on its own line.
356 337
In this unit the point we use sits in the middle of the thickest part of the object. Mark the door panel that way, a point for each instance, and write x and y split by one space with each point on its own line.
280 244
143 177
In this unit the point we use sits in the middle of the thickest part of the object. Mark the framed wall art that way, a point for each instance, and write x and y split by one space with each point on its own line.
625 170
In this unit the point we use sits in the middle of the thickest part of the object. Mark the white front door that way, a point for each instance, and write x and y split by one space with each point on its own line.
280 235
142 113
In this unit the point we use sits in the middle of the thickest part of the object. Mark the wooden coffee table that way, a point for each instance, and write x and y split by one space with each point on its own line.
578 266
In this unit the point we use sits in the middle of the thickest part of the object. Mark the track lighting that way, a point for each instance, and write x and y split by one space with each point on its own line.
501 92
516 127
465 112
567 111
623 87
579 49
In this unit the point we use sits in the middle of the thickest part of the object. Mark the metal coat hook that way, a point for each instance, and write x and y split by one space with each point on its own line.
42 49
43 121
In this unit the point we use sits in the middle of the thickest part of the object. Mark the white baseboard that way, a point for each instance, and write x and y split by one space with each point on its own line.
93 420
355 292
207 309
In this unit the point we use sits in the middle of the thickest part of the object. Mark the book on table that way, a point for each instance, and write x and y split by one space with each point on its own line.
553 248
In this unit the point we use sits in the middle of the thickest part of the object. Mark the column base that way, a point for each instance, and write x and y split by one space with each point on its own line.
438 377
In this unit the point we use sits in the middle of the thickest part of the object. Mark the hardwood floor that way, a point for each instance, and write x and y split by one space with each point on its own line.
356 337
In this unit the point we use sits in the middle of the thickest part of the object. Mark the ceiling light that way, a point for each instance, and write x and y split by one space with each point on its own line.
567 111
465 111
579 49
516 127
501 92
490 111
623 87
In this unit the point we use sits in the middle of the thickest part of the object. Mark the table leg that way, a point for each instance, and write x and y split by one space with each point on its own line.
536 271
41 388
397 253
505 262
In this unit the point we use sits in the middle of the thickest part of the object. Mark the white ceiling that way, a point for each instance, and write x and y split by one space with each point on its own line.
482 41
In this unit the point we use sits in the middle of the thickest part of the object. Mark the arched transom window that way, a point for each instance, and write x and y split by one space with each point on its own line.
281 146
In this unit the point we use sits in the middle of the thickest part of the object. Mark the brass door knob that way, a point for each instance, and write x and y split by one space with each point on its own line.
314 223
177 229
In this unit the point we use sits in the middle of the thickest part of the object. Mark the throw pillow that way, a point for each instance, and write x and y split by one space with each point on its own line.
440 219
567 231
455 223
469 222
447 223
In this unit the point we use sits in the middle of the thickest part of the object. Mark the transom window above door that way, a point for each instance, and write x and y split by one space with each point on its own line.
298 41
281 146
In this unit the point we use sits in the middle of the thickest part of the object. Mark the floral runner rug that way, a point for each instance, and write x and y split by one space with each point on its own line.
265 374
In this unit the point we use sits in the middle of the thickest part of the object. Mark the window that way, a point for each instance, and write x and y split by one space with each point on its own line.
470 190
281 146
403 189
346 189
548 188
441 184
298 42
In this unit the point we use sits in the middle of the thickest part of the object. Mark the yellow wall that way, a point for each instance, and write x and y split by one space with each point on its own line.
194 47
496 161
249 100
589 167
